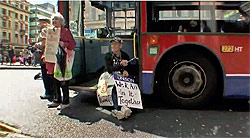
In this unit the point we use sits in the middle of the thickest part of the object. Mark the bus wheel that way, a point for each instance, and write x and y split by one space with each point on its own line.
190 79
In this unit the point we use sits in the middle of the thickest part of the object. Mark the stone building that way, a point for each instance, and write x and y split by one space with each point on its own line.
39 11
14 24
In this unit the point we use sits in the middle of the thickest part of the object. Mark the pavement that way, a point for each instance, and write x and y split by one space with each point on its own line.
19 66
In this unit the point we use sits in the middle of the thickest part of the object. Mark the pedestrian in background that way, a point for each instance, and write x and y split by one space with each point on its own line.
67 42
37 54
1 59
11 54
25 55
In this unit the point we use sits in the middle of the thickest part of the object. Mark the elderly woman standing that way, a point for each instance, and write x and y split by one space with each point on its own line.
68 43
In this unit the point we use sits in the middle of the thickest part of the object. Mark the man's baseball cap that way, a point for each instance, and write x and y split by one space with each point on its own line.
44 19
116 39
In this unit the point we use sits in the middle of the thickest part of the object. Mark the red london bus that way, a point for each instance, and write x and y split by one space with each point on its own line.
188 64
190 52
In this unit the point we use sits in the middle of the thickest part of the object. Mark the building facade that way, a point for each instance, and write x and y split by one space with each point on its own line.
14 23
39 11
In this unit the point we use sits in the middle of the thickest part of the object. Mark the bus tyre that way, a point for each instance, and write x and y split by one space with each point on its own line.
188 79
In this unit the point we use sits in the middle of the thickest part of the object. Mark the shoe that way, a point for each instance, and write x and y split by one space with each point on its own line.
126 111
62 106
37 76
45 96
53 104
118 114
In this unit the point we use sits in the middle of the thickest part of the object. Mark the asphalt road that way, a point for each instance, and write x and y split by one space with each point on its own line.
21 106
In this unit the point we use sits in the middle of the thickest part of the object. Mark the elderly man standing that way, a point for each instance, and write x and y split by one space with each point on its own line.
40 45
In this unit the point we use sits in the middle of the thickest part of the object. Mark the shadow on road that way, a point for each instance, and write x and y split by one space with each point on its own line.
156 118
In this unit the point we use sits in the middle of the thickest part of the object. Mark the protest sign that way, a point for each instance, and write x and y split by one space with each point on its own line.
52 42
128 92
104 89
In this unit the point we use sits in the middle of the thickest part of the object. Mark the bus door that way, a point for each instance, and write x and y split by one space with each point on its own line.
98 22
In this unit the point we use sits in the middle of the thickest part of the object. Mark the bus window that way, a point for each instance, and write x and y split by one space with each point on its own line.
231 21
123 22
91 16
194 16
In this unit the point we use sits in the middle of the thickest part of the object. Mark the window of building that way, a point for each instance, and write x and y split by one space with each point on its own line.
16 38
16 4
4 24
22 39
21 26
16 26
33 20
93 14
9 24
9 37
4 12
26 18
21 17
4 34
9 13
16 15
26 39
26 8
21 6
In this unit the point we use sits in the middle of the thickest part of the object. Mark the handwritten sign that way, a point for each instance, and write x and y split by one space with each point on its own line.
52 42
104 89
128 92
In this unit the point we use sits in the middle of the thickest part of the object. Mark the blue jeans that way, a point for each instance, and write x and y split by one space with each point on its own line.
115 100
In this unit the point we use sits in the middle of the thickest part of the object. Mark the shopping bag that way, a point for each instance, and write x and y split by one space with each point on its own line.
63 71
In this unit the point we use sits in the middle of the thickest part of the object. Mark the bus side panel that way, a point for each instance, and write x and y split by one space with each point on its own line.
237 87
236 62
147 82
77 66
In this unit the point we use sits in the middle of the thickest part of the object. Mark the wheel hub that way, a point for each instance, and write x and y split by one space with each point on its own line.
187 80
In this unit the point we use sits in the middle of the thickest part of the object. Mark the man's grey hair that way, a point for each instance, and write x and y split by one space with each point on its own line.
60 18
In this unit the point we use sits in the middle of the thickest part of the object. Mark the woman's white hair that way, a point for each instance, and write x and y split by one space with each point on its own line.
60 18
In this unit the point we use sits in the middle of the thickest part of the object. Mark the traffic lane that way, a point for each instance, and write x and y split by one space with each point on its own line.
229 118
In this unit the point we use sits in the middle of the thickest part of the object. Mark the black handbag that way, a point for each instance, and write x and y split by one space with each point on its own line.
61 56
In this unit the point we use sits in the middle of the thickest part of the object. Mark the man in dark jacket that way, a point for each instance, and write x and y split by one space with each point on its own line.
117 61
